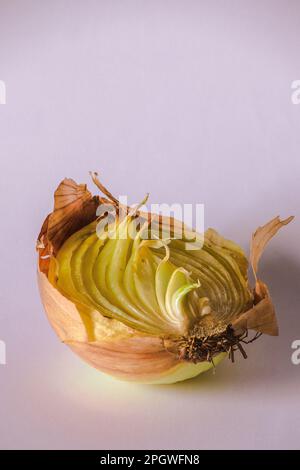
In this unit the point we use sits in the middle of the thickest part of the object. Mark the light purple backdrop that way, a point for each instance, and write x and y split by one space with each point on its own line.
191 101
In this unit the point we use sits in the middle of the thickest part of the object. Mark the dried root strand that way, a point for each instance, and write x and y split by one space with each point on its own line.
199 349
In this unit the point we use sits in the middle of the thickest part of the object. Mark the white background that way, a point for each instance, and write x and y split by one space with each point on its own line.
191 101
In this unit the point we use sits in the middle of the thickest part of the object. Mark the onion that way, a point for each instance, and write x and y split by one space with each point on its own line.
130 298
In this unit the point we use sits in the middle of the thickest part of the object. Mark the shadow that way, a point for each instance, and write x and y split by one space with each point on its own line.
282 275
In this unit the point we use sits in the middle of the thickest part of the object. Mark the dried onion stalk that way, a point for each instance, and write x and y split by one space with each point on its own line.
147 309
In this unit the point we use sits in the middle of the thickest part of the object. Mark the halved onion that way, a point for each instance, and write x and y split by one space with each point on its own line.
144 307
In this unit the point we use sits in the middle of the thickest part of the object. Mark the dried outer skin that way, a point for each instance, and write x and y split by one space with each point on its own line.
74 207
261 317
107 344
